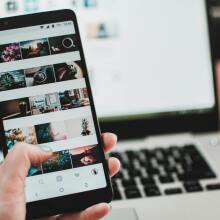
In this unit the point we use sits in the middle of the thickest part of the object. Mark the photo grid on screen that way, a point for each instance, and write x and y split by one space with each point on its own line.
50 92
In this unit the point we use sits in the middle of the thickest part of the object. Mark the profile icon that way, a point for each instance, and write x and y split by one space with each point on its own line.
94 172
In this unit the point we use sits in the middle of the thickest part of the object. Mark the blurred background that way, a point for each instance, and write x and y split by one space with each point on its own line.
103 31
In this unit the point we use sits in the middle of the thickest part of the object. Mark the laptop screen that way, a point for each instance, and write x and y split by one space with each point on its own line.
144 57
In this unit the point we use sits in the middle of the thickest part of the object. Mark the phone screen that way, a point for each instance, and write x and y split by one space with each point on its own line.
44 101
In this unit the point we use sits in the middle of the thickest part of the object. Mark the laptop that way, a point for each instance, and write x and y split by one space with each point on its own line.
164 109
154 86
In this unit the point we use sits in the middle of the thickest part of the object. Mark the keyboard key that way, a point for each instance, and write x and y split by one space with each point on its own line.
117 195
166 179
196 175
152 191
132 193
176 153
170 169
209 175
195 163
159 153
134 173
128 182
119 175
190 148
152 171
148 153
193 186
163 162
161 157
114 184
127 165
214 186
167 152
132 155
147 181
145 163
173 191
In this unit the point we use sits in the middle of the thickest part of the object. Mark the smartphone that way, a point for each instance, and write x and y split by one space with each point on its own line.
46 100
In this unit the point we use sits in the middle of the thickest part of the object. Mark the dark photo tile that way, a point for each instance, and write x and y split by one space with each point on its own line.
12 80
74 98
59 161
50 132
35 48
85 156
10 52
15 108
39 75
68 71
63 44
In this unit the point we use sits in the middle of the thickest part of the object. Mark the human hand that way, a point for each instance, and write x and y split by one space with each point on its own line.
14 170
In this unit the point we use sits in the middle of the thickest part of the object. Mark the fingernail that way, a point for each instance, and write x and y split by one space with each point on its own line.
45 148
110 207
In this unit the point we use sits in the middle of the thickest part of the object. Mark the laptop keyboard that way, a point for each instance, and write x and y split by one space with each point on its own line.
144 172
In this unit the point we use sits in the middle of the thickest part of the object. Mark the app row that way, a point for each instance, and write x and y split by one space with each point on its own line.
68 159
41 75
41 104
38 48
50 132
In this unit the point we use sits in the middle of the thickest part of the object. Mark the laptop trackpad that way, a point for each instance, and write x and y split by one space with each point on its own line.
126 213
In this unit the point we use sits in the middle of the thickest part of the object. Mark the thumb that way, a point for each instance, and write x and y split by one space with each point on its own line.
18 161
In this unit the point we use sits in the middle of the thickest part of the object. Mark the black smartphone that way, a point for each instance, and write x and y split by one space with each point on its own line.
46 100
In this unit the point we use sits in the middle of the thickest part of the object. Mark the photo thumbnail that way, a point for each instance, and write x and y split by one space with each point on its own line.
84 156
27 135
59 161
79 127
50 132
39 75
10 52
35 170
74 98
68 71
15 108
35 48
12 80
45 103
63 44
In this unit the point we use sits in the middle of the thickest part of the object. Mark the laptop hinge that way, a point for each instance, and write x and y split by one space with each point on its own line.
180 137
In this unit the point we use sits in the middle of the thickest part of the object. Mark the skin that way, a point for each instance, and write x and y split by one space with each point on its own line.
14 170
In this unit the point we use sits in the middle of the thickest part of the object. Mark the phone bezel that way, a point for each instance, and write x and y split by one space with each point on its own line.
73 202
